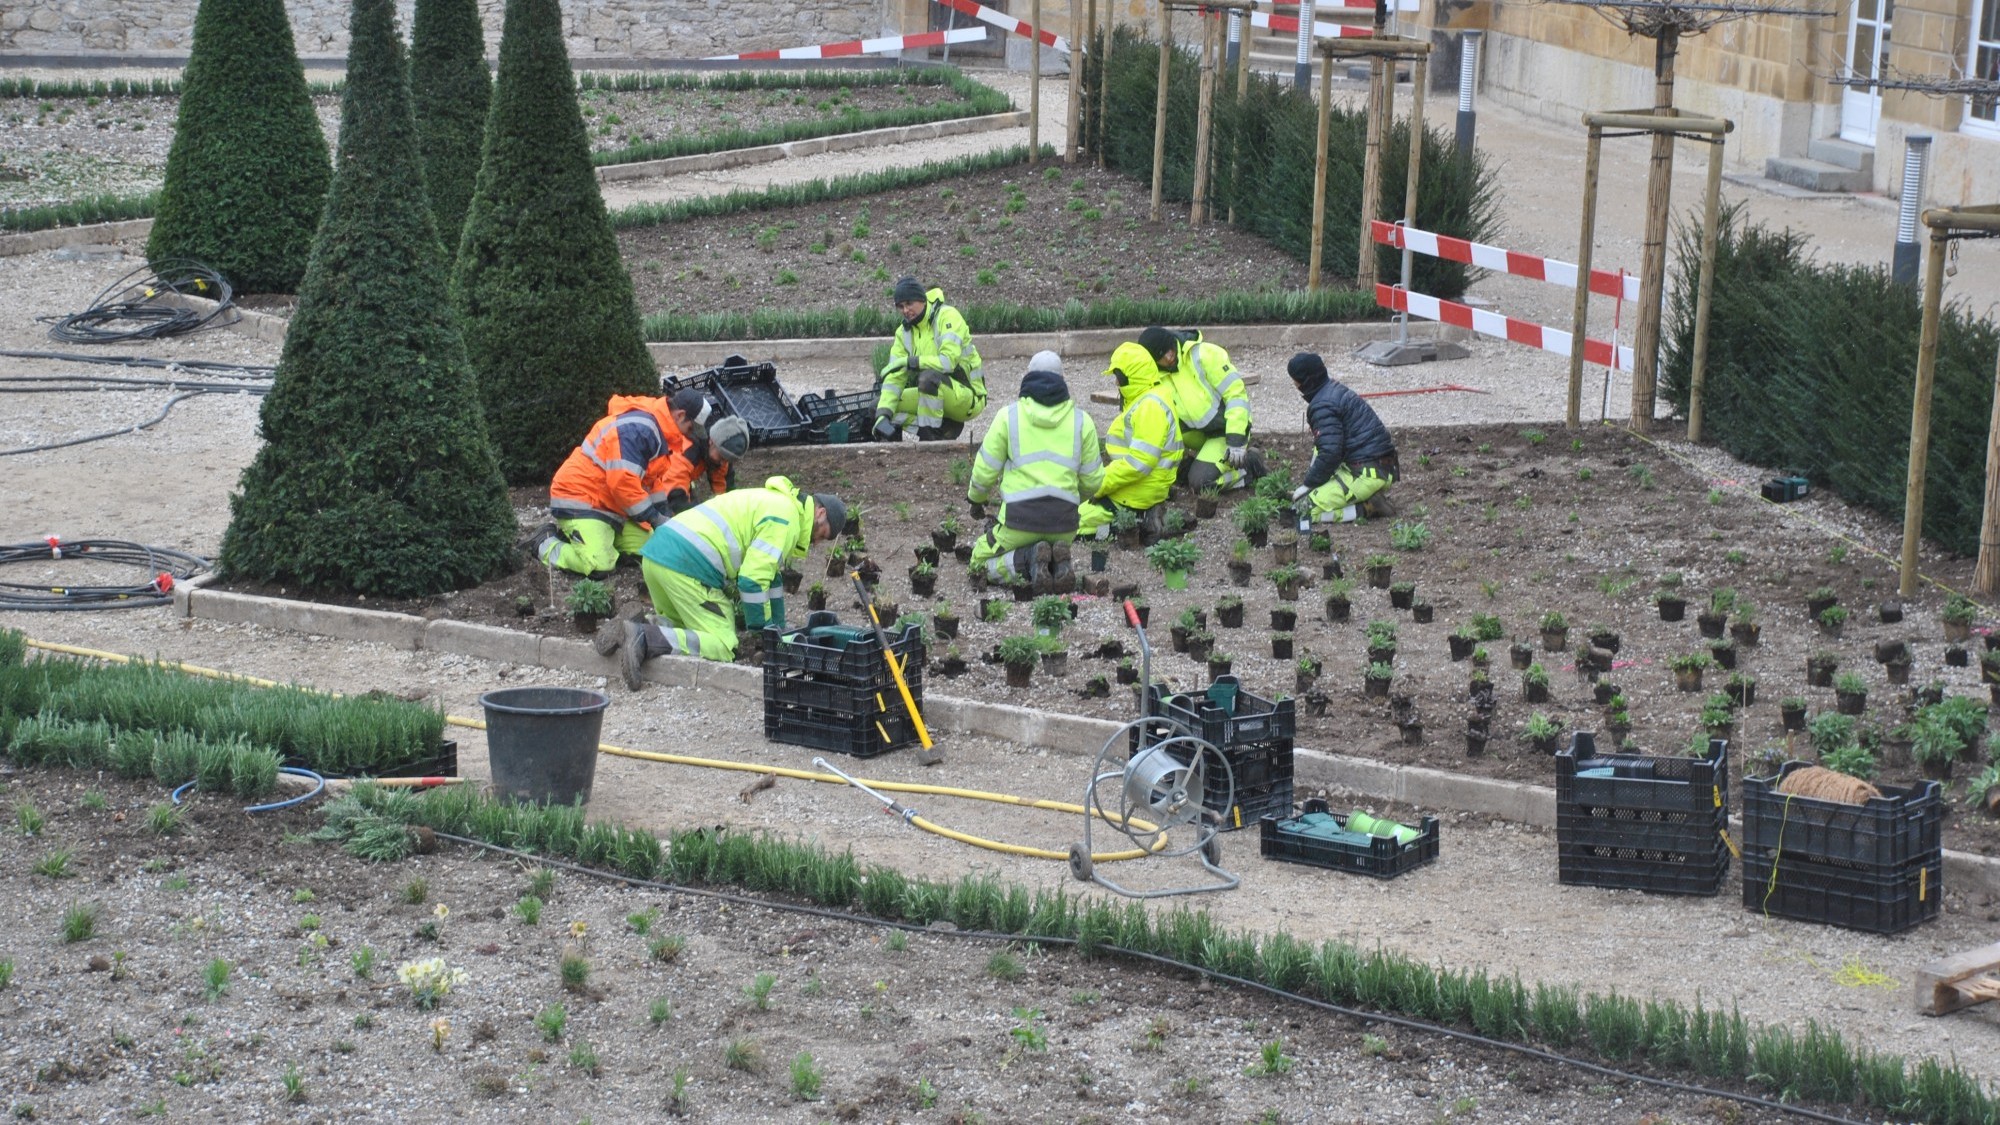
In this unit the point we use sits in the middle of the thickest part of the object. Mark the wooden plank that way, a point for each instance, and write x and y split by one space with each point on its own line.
1934 986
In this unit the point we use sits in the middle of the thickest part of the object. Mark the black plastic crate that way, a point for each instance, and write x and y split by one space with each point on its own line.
1657 833
749 391
826 414
853 654
1893 832
1885 903
1694 785
1639 869
863 735
1252 719
807 689
1318 838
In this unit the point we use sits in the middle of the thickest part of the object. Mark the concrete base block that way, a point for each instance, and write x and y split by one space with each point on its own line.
393 629
487 642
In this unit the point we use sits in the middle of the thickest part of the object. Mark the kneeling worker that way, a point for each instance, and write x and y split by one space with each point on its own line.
1213 406
631 473
1142 449
1043 454
733 547
1356 459
933 374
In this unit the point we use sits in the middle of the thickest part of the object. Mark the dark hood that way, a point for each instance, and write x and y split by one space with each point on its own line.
1045 387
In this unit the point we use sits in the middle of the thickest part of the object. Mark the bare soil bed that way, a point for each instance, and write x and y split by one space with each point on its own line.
898 1026
1520 524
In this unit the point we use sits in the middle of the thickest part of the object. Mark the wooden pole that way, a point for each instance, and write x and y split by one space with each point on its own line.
1653 261
1419 74
1704 293
1034 82
1077 38
1204 122
1381 73
1104 77
1585 242
1319 174
1236 136
1160 107
1920 412
1986 578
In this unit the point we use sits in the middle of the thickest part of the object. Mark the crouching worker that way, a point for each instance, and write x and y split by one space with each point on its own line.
632 472
1142 449
932 378
1356 460
728 549
1043 455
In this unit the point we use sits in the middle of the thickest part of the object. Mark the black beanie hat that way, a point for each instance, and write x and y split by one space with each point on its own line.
1156 340
908 288
1305 367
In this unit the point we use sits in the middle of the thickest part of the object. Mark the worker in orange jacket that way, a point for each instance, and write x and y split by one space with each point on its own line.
633 471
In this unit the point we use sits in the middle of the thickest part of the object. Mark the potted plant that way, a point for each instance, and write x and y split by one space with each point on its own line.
1475 740
1603 691
1820 667
1379 567
962 552
1100 556
1207 502
1285 549
1832 620
1284 618
1125 528
1933 746
1958 614
926 553
1173 558
1338 591
1306 673
1019 654
1535 684
1183 627
923 579
887 611
1461 642
1128 672
1200 644
1542 732
1715 619
944 621
816 597
1688 668
1671 604
1281 646
1889 611
1286 578
1096 687
1850 693
1792 712
1140 607
1402 594
953 664
1744 629
1555 632
1229 612
1375 679
1724 651
1253 518
792 578
589 603
1741 689
1316 701
1479 687
1381 642
1520 654
993 610
1604 637
1109 647
945 535
1618 724
1898 670
1718 718
1218 665
1176 523
1239 562
1321 542
1049 615
1480 657
1819 600
1955 656
1055 655
1983 791
1422 612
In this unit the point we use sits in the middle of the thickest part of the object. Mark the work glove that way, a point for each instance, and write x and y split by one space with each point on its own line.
1236 454
657 515
678 501
1299 493
929 382
977 509
885 428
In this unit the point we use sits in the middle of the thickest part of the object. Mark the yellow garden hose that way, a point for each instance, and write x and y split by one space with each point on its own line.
740 767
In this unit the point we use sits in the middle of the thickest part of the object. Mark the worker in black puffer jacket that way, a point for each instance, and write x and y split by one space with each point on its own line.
1356 459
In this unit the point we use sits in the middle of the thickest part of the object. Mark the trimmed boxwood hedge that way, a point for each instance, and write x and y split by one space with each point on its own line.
451 90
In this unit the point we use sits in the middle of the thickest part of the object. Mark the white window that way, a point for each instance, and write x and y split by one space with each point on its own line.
1982 114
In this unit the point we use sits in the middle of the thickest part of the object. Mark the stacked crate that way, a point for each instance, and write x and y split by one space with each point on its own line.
1253 734
1873 867
829 687
1641 823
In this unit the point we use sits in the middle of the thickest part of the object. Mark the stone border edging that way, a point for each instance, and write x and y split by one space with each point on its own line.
1516 801
810 146
55 238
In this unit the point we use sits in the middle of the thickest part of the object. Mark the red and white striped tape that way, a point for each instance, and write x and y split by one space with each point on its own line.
1354 6
1007 23
1321 29
863 46
1485 323
1607 283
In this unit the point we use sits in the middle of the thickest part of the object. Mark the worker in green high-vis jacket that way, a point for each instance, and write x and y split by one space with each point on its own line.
732 548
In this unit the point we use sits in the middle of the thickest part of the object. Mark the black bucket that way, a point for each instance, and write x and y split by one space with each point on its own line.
541 742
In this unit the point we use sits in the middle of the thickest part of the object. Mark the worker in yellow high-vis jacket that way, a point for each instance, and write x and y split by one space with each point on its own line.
1142 448
730 548
1213 406
1043 457
932 379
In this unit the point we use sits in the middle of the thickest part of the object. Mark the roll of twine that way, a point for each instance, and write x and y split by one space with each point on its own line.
1827 785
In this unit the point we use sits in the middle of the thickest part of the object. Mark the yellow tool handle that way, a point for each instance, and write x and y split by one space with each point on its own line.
895 666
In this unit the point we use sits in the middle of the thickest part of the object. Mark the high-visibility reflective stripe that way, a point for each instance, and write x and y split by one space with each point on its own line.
701 546
640 507
683 641
763 547
1146 447
1134 462
1039 493
621 464
987 460
728 537
755 598
948 337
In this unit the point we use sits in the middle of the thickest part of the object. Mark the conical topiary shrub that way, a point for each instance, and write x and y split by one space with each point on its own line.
376 476
247 173
546 304
452 92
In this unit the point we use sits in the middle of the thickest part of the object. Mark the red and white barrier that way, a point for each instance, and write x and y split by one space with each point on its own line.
863 46
1320 28
1607 283
1601 352
1007 23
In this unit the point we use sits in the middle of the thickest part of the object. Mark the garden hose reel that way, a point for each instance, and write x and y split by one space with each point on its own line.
1164 784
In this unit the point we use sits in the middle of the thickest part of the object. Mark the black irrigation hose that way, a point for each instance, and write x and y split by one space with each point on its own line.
127 309
163 566
147 424
203 365
1168 962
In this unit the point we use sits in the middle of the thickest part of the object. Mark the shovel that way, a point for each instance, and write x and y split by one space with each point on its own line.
926 752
